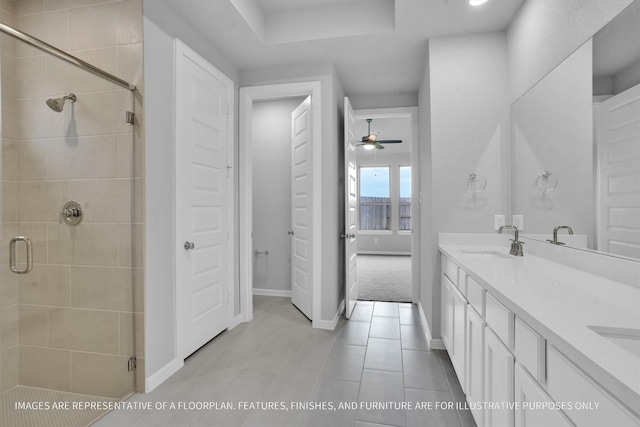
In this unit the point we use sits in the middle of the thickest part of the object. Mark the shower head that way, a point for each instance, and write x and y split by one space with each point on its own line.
57 104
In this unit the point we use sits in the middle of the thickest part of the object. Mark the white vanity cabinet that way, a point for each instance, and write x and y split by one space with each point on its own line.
514 368
498 381
454 326
566 382
459 336
446 311
530 399
475 363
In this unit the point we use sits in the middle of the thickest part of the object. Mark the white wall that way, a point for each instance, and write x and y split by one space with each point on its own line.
429 295
271 151
160 27
369 101
468 127
544 32
552 127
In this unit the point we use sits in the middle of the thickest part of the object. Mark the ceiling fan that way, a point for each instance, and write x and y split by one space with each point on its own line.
371 140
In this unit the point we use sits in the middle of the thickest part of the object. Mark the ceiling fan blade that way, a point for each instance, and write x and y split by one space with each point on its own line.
390 141
378 146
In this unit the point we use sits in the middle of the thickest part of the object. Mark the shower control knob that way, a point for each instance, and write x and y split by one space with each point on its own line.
188 245
71 213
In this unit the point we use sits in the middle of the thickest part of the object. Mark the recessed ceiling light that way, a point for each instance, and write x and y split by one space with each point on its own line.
476 2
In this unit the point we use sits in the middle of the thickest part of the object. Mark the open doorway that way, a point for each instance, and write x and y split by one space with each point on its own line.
302 194
272 196
386 206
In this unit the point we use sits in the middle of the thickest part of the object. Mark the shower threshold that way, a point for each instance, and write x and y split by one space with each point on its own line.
36 407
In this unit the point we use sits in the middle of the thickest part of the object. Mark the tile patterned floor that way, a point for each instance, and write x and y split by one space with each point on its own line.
380 356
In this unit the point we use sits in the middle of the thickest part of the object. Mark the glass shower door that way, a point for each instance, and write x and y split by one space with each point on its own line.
71 282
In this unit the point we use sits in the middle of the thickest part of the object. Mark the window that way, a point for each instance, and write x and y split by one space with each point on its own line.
375 200
405 198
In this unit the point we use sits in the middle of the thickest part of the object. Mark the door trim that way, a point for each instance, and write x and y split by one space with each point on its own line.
412 113
273 92
182 49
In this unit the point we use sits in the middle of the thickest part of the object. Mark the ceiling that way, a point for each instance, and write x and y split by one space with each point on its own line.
377 46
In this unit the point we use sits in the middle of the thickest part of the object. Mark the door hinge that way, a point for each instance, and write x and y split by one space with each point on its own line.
227 109
228 235
131 365
228 170
128 118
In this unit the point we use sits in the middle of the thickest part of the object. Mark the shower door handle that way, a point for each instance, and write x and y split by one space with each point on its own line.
12 254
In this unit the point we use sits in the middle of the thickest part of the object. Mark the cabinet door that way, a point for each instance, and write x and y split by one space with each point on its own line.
498 381
475 363
528 394
447 311
459 336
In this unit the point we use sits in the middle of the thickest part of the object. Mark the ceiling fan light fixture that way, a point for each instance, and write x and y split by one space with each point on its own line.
476 2
369 146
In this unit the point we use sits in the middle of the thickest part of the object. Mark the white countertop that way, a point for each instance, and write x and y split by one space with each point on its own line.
560 302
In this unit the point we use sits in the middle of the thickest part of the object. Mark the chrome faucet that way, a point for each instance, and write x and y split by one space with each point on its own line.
555 234
516 246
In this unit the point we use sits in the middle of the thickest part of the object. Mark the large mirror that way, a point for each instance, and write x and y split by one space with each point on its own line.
576 145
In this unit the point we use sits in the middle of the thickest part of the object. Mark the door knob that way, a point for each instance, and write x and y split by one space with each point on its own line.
290 232
188 245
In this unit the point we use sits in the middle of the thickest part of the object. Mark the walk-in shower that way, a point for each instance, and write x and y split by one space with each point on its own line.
57 104
71 273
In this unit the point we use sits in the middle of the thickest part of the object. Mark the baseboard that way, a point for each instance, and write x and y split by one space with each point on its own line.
163 374
330 324
272 292
434 344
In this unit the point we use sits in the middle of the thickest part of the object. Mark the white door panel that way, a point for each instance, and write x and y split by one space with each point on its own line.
351 210
618 159
301 186
202 132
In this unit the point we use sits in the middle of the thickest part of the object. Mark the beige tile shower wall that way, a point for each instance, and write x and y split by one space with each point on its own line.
80 311
9 305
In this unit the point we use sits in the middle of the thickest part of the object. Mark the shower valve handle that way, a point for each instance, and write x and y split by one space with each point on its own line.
71 213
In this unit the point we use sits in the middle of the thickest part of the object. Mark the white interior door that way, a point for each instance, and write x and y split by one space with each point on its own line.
618 159
202 220
351 210
301 204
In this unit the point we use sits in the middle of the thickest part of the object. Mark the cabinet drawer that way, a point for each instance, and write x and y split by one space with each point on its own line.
500 319
566 382
475 295
529 350
450 269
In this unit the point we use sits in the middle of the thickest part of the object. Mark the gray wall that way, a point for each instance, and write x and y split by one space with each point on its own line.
271 123
160 26
544 32
467 131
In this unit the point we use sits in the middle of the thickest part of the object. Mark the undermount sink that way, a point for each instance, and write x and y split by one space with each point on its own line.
485 254
626 338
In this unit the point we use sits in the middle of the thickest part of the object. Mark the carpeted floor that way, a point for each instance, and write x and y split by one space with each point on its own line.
384 278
